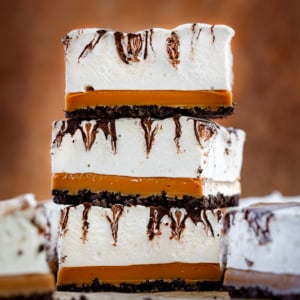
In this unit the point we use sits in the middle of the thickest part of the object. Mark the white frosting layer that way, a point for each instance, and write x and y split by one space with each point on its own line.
106 60
22 225
267 241
210 151
132 244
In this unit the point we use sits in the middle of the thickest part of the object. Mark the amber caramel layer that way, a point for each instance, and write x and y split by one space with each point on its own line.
275 282
135 274
26 284
144 186
184 99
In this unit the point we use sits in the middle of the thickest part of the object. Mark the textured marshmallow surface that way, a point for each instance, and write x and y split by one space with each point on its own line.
188 57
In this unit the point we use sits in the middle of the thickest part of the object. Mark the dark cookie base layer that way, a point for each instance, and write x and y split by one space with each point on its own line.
46 296
108 199
257 292
147 286
142 111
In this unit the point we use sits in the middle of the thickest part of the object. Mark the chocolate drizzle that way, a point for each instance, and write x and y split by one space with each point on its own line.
172 49
178 218
132 47
64 216
177 132
88 131
85 222
197 37
204 130
92 44
149 133
156 214
117 211
177 223
258 217
213 33
197 213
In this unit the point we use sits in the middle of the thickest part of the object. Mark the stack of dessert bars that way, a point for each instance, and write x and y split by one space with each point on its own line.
143 170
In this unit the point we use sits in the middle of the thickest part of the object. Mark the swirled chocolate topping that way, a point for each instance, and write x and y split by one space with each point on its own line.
131 47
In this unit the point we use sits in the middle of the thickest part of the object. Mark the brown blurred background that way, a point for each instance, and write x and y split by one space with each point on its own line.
266 52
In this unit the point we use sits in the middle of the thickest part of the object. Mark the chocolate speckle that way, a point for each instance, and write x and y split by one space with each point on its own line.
249 262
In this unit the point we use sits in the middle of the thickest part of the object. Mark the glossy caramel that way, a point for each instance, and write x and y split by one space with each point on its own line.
184 99
144 186
26 284
135 274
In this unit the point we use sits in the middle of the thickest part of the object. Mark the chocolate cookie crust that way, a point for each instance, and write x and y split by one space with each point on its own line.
142 111
108 199
147 286
46 296
258 293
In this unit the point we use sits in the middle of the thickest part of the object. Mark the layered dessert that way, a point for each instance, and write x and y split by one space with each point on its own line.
138 248
24 271
146 161
152 73
260 249
143 172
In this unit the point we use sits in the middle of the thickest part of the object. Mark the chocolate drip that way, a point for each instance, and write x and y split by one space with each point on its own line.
197 213
149 133
172 49
134 46
92 44
204 130
85 222
150 39
213 33
177 132
130 50
89 132
156 214
197 37
118 41
64 216
109 129
177 224
117 211
146 45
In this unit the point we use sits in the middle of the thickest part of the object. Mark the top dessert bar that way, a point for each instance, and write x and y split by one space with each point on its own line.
152 73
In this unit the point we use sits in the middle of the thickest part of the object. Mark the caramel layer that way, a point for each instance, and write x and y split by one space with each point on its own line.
184 99
26 284
136 274
246 278
144 186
